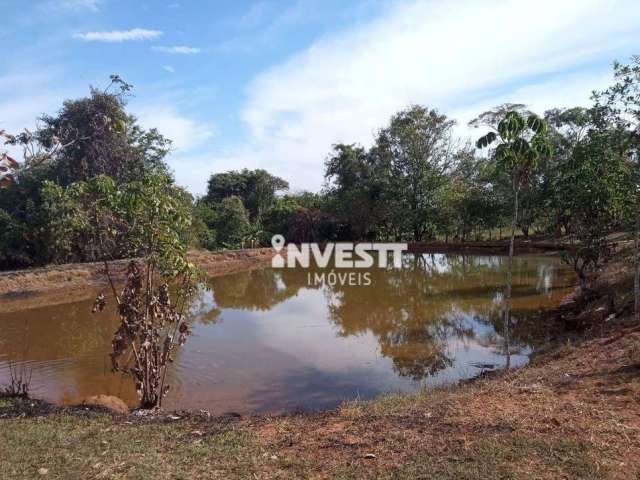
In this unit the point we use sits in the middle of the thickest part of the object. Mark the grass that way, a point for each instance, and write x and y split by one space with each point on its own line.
93 445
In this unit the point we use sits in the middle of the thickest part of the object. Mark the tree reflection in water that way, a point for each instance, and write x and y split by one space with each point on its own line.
419 314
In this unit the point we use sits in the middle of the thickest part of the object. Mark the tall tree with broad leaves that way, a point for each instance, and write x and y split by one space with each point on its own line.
521 140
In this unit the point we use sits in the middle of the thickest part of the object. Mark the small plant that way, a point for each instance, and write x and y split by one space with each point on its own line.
151 328
20 380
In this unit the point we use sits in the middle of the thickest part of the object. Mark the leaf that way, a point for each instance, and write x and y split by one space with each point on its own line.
536 124
486 140
511 126
521 147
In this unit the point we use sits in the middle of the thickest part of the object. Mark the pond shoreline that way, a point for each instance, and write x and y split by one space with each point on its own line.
572 412
60 284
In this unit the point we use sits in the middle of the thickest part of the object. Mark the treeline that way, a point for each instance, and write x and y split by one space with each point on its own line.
419 182
416 182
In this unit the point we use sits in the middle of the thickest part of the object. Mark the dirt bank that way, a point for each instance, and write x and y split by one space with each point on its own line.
58 284
497 247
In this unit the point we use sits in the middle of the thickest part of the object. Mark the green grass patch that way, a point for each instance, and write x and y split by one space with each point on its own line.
92 446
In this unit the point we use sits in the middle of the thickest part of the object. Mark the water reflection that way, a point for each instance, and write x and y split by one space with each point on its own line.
416 312
267 340
257 289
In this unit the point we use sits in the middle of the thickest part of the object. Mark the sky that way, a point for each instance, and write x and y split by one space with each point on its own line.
274 84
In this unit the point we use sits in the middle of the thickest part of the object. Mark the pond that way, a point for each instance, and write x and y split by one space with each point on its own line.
267 340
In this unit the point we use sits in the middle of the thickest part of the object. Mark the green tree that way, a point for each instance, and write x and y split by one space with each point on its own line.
352 190
204 216
470 201
89 136
306 225
231 222
567 128
276 219
12 235
521 142
594 188
101 220
256 188
100 138
22 202
415 153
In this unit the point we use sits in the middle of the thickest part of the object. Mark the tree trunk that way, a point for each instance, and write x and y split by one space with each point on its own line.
507 310
636 277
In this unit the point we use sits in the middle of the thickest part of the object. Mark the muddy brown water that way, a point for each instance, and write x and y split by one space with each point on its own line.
267 340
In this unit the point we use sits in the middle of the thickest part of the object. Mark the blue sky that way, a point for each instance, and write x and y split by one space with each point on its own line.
273 84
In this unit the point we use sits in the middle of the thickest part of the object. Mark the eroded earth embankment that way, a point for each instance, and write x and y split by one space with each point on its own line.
56 284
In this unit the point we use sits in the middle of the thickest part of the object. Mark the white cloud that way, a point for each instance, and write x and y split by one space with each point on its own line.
188 136
561 91
449 55
192 170
177 49
81 4
169 68
119 35
24 97
186 133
